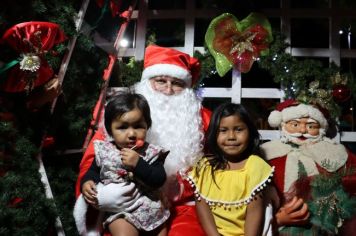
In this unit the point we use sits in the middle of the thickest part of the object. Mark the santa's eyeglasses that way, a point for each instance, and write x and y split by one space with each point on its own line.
167 85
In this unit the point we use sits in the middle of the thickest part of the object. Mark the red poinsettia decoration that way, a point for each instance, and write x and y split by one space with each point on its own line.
32 40
238 44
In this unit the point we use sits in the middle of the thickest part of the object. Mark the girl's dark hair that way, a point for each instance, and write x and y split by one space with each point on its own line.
125 102
217 160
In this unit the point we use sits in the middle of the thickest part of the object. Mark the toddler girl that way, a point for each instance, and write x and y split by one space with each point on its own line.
228 184
128 161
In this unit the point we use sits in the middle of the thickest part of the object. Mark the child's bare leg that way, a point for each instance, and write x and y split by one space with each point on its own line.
163 231
121 227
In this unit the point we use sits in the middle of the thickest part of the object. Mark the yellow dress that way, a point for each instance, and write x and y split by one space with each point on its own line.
233 191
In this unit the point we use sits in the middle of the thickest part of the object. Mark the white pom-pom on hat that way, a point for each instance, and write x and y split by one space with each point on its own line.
275 119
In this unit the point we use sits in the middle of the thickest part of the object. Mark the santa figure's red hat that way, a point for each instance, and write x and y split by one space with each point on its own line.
291 109
161 61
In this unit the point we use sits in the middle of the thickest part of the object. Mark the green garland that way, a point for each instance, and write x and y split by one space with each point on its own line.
305 80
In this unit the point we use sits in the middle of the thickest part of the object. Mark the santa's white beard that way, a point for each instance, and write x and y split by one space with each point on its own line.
287 137
176 126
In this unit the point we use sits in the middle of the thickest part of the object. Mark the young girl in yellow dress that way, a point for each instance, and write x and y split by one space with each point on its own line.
229 183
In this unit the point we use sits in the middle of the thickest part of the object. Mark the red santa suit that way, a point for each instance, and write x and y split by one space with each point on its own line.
183 122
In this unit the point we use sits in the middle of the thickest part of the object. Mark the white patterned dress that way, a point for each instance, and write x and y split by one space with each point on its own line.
147 212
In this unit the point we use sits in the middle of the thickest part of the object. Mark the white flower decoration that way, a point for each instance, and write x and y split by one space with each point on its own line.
30 62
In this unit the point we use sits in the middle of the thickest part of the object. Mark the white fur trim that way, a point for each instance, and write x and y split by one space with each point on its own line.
295 112
292 171
79 213
275 119
168 70
274 149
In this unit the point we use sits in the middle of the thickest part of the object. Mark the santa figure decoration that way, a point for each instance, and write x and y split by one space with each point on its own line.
312 176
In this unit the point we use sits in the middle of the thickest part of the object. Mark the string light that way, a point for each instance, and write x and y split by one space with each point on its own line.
124 43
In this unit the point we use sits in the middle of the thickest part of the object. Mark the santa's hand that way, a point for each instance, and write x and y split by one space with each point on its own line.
294 212
89 193
116 197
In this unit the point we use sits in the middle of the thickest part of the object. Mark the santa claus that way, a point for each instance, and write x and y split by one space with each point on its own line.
302 153
178 124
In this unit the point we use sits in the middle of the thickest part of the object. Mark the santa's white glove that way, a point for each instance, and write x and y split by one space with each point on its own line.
116 197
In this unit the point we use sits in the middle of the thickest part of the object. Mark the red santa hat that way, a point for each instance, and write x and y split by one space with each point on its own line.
170 62
292 109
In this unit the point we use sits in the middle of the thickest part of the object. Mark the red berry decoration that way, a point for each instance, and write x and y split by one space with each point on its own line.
341 93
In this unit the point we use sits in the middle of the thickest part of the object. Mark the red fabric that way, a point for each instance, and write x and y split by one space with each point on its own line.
87 159
31 37
184 222
286 103
50 35
348 182
278 175
114 6
205 116
155 55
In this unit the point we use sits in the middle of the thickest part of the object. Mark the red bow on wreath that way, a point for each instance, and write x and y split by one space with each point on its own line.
236 43
32 40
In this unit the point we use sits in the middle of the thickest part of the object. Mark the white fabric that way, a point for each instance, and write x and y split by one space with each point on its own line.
79 214
321 153
302 110
117 197
167 70
267 226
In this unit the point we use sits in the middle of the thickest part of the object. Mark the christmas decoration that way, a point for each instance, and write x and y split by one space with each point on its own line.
331 205
114 6
238 44
341 90
341 93
32 40
320 97
303 80
48 141
22 129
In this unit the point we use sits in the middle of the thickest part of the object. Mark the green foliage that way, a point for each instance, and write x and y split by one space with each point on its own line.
130 73
331 205
33 214
207 64
306 80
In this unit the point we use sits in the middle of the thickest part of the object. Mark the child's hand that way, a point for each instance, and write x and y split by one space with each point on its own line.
89 192
129 157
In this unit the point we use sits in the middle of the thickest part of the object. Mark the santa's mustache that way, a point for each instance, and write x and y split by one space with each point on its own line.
299 135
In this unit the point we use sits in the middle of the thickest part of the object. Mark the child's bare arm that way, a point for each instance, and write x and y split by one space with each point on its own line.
206 218
255 217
